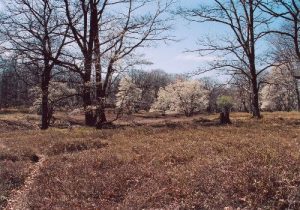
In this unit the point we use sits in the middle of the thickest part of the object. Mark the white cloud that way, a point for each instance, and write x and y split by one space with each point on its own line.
196 58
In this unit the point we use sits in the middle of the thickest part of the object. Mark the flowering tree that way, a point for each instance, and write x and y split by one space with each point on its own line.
182 96
60 96
165 100
128 96
281 91
150 82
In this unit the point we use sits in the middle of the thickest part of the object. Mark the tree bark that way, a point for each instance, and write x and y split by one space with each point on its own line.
100 90
87 98
225 116
100 113
298 94
255 100
87 104
252 63
45 100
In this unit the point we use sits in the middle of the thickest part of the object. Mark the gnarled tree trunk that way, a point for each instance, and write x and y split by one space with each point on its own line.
45 96
225 116
87 104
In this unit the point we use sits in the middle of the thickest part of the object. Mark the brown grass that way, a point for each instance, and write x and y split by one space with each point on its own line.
169 164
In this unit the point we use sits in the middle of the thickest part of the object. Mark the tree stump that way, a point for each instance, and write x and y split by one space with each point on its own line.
224 117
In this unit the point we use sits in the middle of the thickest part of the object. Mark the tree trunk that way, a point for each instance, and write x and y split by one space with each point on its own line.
45 103
100 111
298 94
188 113
100 114
87 104
100 90
224 117
245 109
252 62
86 97
255 99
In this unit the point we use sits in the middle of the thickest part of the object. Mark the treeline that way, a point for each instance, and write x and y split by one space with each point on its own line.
13 90
78 53
138 90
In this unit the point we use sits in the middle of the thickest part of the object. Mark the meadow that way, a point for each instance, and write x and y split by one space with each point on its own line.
150 162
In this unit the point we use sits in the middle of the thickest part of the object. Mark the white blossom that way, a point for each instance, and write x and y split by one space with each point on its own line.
59 96
280 91
182 96
128 95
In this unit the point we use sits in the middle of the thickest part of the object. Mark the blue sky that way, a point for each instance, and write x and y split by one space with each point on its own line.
171 57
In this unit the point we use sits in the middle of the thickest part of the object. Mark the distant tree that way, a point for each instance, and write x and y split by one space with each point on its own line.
107 35
164 101
150 83
214 89
13 89
288 12
240 50
128 96
280 91
182 96
241 92
35 32
225 103
60 97
286 41
284 54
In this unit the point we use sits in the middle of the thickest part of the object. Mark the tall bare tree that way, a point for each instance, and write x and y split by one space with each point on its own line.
108 33
35 32
288 11
239 51
284 54
287 37
82 20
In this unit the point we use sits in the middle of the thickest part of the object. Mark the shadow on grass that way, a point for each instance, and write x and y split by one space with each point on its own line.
75 146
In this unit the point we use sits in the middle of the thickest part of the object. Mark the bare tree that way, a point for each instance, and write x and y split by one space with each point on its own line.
83 22
284 54
242 92
36 34
287 11
108 33
247 26
149 83
13 90
287 37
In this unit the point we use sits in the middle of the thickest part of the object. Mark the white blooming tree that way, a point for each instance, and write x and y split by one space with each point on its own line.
128 96
60 97
281 91
187 97
165 100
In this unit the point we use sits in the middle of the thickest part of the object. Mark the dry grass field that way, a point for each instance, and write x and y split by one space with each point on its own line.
152 163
